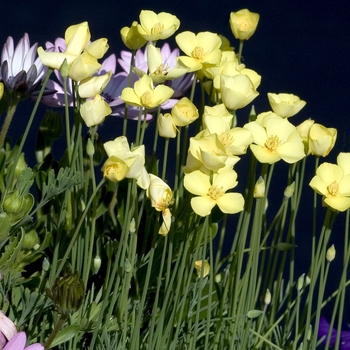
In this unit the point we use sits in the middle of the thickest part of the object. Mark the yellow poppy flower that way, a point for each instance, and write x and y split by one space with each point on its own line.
211 191
333 184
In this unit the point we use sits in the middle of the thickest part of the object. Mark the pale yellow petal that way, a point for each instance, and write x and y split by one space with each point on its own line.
197 183
338 203
202 206
263 155
231 203
186 41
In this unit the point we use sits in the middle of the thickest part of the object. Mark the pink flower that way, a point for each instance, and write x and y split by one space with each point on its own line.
18 342
7 329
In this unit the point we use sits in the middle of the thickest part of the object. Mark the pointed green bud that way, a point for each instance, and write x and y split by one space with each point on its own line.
300 282
288 192
252 114
64 69
90 149
132 226
330 255
20 166
45 265
267 299
259 188
96 264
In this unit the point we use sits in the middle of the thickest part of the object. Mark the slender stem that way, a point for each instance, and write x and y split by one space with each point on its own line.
58 326
7 122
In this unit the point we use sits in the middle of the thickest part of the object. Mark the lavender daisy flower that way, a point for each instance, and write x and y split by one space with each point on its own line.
21 70
323 330
180 85
18 342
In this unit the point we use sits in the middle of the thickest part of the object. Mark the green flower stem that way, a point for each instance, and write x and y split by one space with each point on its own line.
126 110
76 232
165 158
193 88
10 113
55 331
138 129
143 127
66 113
240 51
29 124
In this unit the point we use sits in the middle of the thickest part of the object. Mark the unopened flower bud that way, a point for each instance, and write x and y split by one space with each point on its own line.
45 265
132 226
31 239
252 114
20 166
267 299
67 293
330 255
199 265
90 149
96 264
300 282
64 69
259 189
1 90
288 192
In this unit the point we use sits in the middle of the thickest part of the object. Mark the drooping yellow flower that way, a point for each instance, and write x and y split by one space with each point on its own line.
210 193
115 169
202 267
95 111
321 139
131 37
275 140
285 105
203 48
154 26
333 184
145 95
237 91
243 23
184 112
161 198
135 158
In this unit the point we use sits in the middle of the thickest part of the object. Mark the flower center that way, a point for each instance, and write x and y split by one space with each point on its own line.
272 143
333 188
157 28
215 192
165 201
161 70
225 138
244 26
198 53
146 98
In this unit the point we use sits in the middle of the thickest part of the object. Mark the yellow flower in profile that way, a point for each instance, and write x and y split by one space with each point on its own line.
321 139
243 23
211 191
154 26
161 197
184 112
145 95
333 184
216 117
304 129
81 57
275 140
160 72
285 105
135 158
1 90
237 91
203 48
131 37
166 126
95 111
115 169
93 85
